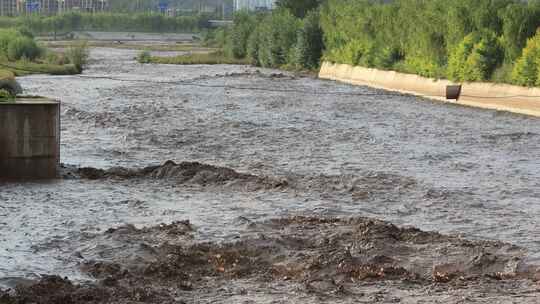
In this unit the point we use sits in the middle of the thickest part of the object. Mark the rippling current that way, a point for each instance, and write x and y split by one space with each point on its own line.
400 158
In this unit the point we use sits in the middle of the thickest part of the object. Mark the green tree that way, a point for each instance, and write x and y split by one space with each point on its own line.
277 35
253 46
519 23
299 8
309 43
476 57
527 68
244 24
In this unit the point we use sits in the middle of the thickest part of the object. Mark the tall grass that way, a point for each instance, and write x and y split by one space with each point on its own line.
15 45
194 58
25 67
78 55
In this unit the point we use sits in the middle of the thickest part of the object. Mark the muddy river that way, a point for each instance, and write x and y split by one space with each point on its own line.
341 151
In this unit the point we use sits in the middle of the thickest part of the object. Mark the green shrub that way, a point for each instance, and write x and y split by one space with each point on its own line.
7 36
216 37
503 74
277 37
309 45
253 47
144 57
386 57
78 55
426 67
475 58
14 45
25 31
457 61
244 24
56 58
351 53
23 47
527 68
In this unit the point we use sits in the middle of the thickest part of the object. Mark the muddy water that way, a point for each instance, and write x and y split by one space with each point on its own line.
399 158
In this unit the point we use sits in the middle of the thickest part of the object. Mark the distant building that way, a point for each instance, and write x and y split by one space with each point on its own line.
52 7
8 7
222 9
254 5
44 7
90 6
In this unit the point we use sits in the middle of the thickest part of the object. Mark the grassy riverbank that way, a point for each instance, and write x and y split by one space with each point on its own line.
21 68
20 54
217 57
145 46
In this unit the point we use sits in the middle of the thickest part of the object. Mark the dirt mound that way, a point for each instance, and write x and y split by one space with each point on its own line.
57 290
327 256
364 186
182 173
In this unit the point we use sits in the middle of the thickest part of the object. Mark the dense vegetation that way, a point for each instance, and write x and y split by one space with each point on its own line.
20 54
527 68
463 40
299 8
145 22
277 39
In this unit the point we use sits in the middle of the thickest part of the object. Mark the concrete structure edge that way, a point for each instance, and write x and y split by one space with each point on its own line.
500 97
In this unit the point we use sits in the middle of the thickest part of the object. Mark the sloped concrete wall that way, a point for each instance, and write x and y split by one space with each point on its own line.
500 97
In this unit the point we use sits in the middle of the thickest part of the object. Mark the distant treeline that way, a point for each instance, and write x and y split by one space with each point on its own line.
463 40
146 22
277 39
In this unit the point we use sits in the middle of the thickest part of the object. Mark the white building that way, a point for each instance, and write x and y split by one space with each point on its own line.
253 5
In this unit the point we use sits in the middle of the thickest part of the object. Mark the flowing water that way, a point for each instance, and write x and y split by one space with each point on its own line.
354 151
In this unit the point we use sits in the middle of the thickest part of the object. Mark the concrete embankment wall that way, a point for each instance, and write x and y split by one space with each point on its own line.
500 97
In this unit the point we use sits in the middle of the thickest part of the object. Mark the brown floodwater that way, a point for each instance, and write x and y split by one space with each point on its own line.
344 150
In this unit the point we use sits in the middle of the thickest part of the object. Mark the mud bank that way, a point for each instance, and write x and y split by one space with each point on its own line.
185 172
307 259
365 186
492 96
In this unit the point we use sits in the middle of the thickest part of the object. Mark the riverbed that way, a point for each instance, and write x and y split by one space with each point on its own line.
347 152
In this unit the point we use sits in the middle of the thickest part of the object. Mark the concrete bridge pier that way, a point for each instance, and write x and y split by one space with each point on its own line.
29 139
